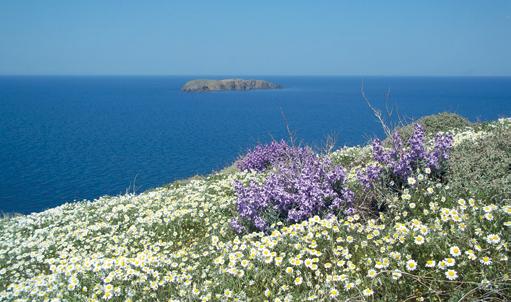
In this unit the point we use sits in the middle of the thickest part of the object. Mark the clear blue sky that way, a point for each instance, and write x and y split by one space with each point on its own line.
255 37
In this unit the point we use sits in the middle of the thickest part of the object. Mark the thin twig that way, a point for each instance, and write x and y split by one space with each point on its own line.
377 113
468 293
289 132
329 144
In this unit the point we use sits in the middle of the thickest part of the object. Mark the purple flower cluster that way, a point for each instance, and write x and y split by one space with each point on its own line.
440 153
400 162
298 189
263 156
369 176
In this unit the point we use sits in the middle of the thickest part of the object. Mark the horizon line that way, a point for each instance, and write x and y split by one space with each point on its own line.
246 75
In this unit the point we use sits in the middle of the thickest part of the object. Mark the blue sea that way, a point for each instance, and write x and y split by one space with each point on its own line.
74 138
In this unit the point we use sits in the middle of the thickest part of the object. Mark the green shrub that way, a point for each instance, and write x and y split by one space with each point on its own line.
483 166
440 122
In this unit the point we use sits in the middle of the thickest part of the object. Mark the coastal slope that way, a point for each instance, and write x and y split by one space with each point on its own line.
438 237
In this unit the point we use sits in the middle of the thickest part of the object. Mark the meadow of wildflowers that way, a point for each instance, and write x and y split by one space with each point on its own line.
286 225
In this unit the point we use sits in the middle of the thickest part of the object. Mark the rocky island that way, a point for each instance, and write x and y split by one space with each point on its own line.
227 84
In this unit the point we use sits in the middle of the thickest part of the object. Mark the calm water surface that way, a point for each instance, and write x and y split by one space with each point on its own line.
73 138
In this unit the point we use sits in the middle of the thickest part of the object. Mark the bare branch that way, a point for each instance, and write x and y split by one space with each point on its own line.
377 113
289 132
329 144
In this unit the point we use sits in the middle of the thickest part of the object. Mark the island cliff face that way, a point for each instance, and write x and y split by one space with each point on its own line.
227 84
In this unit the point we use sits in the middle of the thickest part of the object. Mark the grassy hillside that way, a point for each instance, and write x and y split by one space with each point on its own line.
438 234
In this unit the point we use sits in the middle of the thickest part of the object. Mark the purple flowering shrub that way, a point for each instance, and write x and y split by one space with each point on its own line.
263 156
303 184
295 190
399 163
